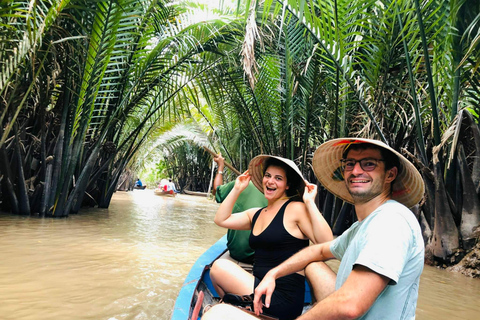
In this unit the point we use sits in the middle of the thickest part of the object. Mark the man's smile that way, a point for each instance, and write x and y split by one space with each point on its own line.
359 181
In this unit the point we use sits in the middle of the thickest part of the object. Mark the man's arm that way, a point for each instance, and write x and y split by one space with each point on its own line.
218 180
297 262
353 299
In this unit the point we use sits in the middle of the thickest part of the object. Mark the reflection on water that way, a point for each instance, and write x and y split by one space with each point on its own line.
125 262
129 262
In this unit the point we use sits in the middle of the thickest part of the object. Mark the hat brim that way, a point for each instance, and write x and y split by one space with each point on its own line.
256 169
408 187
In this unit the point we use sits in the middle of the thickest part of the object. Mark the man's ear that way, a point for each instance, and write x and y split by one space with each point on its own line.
391 174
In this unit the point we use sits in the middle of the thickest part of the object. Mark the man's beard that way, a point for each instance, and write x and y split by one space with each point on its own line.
365 195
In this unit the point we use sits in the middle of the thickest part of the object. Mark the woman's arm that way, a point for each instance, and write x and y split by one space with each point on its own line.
313 224
224 217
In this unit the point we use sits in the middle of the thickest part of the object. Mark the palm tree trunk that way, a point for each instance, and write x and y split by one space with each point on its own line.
475 136
7 185
76 195
328 208
345 219
470 205
445 240
104 202
23 201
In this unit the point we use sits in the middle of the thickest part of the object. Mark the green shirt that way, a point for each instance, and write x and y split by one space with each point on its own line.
237 240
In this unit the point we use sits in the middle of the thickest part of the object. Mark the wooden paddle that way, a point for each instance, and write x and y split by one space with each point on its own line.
229 166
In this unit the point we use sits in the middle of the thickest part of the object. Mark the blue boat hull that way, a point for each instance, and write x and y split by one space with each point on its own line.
199 274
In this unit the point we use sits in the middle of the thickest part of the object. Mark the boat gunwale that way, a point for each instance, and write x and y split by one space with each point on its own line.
183 304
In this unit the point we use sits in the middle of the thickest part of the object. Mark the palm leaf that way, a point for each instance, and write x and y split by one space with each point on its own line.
29 21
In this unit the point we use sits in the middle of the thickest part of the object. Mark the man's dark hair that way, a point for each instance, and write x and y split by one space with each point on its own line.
290 173
390 159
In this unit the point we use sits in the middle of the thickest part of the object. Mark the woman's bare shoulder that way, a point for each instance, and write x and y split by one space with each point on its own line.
295 205
296 208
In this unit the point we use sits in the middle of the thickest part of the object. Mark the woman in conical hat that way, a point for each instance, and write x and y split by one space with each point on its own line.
285 226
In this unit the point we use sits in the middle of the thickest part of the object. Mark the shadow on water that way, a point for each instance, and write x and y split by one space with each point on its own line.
129 262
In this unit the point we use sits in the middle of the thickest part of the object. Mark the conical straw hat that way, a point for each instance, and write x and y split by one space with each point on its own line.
256 168
408 187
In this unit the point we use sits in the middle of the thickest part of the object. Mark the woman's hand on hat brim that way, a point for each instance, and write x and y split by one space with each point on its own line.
242 181
310 192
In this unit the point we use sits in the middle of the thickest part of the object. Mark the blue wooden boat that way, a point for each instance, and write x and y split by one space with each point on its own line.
197 290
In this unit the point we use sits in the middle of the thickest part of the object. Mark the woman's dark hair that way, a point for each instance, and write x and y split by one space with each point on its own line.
292 177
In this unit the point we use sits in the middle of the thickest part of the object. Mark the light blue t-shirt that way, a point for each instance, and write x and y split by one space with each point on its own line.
389 242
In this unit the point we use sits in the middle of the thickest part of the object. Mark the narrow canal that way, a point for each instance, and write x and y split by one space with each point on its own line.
129 262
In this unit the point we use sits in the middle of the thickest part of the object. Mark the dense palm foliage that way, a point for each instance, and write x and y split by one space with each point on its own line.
83 84
404 72
90 88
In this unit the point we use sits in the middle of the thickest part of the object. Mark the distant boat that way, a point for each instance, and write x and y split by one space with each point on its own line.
164 188
197 290
162 192
196 193
140 187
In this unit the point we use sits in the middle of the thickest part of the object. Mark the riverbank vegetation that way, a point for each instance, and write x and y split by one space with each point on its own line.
90 89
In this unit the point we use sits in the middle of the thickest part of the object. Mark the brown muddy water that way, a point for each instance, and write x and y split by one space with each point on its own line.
129 262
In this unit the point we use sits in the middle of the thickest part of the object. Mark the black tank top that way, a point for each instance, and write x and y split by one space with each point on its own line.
274 245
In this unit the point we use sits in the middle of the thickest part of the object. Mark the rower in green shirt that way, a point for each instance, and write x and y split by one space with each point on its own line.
237 240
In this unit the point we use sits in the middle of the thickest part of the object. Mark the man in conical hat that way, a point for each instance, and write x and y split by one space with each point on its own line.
382 254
